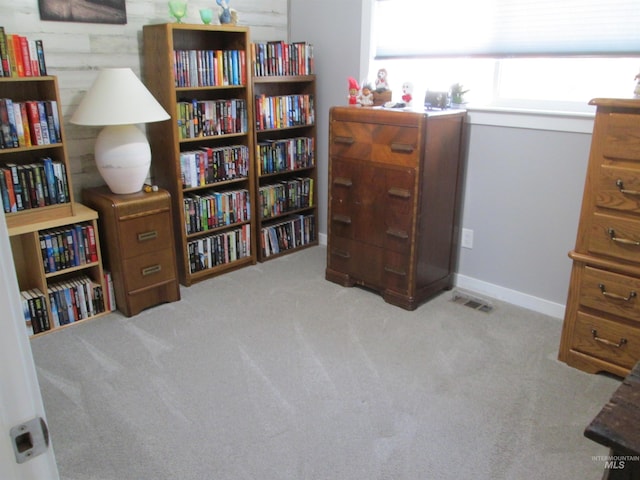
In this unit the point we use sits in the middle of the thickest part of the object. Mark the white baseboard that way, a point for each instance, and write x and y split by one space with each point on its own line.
514 297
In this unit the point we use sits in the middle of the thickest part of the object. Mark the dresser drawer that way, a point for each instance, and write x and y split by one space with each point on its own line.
618 189
359 260
615 237
139 235
606 339
149 269
622 137
396 272
611 292
392 144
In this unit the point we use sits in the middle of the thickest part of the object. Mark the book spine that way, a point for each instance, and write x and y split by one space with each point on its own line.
42 64
26 58
5 65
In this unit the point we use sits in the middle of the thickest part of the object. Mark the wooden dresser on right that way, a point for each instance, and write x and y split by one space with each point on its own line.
601 330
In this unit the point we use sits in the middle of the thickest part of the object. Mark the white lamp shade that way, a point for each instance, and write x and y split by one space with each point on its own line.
119 100
118 97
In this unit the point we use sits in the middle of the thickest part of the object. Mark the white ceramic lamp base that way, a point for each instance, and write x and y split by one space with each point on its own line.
123 157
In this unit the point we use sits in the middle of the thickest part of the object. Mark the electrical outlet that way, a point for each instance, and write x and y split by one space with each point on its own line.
467 238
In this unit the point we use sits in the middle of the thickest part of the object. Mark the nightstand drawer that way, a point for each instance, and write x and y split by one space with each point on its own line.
611 292
615 237
606 339
149 269
141 235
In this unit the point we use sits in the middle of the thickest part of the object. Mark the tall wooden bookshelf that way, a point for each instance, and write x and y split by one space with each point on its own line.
43 174
203 157
284 89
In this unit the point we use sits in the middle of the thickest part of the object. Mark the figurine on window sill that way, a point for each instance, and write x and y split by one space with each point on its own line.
636 91
382 84
353 91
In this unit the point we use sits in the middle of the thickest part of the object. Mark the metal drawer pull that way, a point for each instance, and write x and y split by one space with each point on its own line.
143 237
342 182
345 140
341 253
395 271
399 192
615 296
151 270
594 334
393 232
620 186
624 241
342 219
402 147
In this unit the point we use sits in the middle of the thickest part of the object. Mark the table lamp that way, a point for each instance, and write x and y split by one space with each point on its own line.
119 101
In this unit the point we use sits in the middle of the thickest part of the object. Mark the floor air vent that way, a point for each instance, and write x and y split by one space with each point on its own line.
471 301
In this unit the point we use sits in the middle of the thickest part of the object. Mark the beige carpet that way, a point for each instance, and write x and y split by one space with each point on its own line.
273 373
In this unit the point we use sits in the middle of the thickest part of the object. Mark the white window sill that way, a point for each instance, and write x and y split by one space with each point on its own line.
574 122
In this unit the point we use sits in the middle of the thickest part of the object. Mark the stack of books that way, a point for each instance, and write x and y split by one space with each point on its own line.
21 56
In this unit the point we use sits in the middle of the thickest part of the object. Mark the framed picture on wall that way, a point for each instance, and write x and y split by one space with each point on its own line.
85 11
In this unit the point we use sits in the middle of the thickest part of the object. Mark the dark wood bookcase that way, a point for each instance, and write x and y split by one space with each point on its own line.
285 138
201 76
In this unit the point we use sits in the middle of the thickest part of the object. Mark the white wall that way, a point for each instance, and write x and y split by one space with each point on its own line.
76 51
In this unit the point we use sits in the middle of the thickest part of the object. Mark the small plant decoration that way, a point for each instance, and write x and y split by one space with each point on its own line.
457 93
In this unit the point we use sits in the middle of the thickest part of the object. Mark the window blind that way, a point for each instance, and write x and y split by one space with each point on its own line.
505 28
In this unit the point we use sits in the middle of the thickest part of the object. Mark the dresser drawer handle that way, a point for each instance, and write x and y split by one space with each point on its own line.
395 271
340 253
144 236
344 219
343 140
393 232
402 147
620 186
623 241
615 296
151 270
399 192
594 334
342 182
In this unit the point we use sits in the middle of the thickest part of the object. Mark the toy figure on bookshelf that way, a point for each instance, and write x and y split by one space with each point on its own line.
407 93
353 91
227 15
366 96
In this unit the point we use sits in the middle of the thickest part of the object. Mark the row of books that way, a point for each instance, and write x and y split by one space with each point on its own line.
209 68
284 111
210 210
21 56
285 196
205 118
293 232
287 154
220 249
34 122
282 58
70 301
33 185
209 165
68 247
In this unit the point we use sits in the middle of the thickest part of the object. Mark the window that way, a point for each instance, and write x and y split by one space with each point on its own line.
506 61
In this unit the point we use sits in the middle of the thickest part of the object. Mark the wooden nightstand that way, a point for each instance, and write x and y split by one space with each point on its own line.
137 246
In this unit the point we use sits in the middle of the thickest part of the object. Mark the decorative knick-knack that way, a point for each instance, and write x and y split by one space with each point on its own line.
178 9
206 14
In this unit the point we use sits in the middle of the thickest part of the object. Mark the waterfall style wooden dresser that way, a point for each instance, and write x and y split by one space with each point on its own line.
601 330
395 181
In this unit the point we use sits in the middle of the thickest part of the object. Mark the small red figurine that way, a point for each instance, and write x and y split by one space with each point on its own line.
354 88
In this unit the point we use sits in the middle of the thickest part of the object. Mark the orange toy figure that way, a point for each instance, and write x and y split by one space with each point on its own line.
353 91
